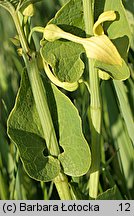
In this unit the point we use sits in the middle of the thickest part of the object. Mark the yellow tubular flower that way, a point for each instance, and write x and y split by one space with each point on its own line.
65 85
98 47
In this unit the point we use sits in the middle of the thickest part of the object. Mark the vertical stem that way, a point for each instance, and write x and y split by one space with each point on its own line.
88 16
42 106
39 94
95 105
38 90
61 183
20 32
95 112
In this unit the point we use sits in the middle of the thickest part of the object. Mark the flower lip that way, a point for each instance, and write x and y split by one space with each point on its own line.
105 16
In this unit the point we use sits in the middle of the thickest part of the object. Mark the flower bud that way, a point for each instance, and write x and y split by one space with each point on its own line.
29 10
52 33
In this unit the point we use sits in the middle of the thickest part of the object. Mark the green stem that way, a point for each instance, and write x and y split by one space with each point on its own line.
38 91
95 105
41 105
20 32
95 112
88 16
61 183
39 94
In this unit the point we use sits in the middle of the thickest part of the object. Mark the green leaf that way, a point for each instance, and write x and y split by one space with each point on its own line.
120 27
130 16
64 56
64 59
110 194
116 72
76 158
24 129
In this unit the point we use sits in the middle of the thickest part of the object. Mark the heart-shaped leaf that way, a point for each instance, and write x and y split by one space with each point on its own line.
76 158
24 128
